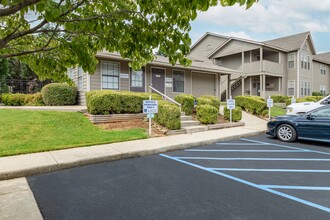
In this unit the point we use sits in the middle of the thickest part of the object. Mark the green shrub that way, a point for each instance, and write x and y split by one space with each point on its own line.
169 115
305 99
59 94
16 99
236 114
317 94
207 114
215 101
279 98
104 102
265 113
187 102
34 100
251 104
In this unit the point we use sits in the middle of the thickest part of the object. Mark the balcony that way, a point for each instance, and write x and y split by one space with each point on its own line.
268 66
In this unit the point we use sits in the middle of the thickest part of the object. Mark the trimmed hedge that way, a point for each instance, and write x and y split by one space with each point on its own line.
187 102
16 99
251 104
169 115
265 113
104 102
236 114
59 94
305 99
209 100
34 100
279 98
317 94
207 114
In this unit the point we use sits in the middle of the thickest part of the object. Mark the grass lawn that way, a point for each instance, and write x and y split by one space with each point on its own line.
276 111
23 131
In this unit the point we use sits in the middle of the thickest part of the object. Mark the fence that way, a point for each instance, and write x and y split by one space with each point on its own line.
21 86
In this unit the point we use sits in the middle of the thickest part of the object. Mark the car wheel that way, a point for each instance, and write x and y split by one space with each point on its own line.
286 133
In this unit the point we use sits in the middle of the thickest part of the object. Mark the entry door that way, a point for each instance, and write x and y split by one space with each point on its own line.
158 79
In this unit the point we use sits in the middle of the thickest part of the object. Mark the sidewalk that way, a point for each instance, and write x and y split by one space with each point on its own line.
31 164
67 108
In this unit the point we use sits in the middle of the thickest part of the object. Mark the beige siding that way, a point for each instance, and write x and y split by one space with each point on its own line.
320 79
203 84
207 46
234 47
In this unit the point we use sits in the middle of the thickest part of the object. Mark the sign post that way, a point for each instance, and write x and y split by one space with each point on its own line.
231 105
150 107
270 104
293 100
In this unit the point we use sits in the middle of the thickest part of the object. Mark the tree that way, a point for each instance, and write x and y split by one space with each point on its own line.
53 35
4 69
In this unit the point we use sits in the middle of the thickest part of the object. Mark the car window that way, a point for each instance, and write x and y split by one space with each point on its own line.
323 113
326 101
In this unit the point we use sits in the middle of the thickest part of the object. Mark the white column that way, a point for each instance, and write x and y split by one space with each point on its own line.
264 86
250 85
261 59
260 87
243 86
228 93
279 84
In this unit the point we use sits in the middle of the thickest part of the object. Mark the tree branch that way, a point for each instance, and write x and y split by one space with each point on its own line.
27 52
15 8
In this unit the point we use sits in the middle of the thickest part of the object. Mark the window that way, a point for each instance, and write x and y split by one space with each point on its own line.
323 89
80 78
137 78
291 60
291 87
305 88
178 81
110 75
305 61
70 73
323 69
323 113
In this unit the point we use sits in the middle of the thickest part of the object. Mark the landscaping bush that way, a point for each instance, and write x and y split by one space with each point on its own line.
209 100
317 94
104 102
236 114
251 104
265 113
169 115
207 114
59 94
34 100
16 99
305 99
279 98
187 102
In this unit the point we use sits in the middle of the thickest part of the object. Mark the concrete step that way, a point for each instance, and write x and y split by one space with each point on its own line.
186 118
193 129
185 124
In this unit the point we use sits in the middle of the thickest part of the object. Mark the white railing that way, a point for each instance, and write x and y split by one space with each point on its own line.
165 97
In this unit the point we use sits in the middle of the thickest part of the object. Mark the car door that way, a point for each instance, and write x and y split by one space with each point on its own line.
315 125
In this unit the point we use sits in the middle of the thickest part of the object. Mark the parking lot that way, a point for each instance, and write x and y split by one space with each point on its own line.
296 173
254 178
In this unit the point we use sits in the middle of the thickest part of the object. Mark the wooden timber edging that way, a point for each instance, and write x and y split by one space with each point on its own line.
95 119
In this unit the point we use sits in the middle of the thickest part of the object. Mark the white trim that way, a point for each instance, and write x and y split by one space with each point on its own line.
155 67
101 74
298 75
88 82
130 75
294 88
184 81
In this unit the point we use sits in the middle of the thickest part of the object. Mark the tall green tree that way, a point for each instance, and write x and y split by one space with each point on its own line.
52 35
4 69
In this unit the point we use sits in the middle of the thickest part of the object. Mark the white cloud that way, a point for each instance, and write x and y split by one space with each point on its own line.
281 17
238 34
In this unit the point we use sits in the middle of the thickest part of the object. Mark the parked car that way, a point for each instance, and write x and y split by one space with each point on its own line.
313 125
303 107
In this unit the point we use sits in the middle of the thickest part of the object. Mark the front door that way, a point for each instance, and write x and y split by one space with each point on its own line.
137 79
158 79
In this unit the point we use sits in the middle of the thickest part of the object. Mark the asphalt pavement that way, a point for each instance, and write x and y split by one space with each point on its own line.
253 178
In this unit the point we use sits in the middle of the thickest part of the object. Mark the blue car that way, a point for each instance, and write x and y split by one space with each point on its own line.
313 125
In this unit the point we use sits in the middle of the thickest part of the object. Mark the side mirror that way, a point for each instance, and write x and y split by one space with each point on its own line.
310 117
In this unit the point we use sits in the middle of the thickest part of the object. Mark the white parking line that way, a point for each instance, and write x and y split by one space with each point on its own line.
271 170
249 144
296 187
240 158
272 151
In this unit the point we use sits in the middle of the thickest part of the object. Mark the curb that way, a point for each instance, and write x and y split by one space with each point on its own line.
50 168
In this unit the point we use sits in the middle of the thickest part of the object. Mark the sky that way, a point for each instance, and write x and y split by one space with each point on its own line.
268 19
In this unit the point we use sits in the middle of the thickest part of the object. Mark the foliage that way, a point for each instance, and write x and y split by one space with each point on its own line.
4 70
51 36
279 98
169 115
251 104
207 114
305 99
187 102
59 94
34 99
236 114
317 94
210 100
265 113
24 131
103 102
16 99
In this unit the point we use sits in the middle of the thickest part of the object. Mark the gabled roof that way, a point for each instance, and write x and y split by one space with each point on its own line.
292 42
322 57
205 35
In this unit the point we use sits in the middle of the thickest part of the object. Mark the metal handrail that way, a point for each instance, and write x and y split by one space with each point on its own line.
165 96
